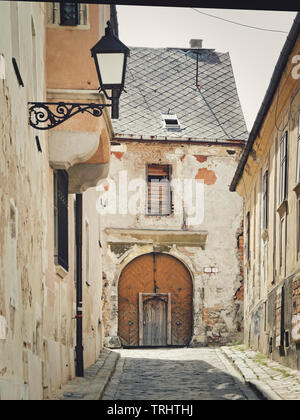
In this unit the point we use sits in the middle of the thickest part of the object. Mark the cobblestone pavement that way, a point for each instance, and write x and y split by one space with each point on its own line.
269 377
176 374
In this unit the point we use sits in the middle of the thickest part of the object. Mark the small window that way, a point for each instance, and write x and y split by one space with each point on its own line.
61 236
247 250
87 253
67 13
159 202
171 122
283 167
281 225
266 200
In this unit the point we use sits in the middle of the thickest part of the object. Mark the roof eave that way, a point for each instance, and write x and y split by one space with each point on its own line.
267 101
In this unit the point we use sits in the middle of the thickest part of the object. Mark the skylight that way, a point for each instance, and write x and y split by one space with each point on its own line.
171 122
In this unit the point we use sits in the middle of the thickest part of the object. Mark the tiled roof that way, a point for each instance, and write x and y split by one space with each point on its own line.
163 81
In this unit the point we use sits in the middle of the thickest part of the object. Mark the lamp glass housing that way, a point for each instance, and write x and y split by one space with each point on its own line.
111 69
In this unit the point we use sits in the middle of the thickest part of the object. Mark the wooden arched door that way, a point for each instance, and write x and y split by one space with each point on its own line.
155 302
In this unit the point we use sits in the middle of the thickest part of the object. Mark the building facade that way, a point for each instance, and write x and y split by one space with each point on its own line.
171 230
268 179
50 229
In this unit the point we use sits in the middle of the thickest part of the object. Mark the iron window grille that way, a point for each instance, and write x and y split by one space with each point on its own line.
159 194
61 231
283 167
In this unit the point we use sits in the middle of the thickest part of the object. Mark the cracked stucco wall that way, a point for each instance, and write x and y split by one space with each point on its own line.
218 296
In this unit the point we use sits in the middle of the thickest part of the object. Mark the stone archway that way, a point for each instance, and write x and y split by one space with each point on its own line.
155 278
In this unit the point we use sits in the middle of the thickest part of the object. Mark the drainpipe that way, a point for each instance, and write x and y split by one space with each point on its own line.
79 370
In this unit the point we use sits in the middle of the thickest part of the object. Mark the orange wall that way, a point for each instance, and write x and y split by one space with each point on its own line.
68 59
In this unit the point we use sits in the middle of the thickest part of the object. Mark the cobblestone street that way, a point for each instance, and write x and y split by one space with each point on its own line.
176 374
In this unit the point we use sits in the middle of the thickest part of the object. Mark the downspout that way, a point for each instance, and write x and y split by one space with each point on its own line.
79 368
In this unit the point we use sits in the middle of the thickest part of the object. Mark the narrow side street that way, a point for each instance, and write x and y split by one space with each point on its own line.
176 374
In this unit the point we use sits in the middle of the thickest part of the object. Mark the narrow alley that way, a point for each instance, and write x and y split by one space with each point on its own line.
176 374
149 202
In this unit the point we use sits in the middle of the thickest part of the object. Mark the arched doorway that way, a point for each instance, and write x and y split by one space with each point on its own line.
155 302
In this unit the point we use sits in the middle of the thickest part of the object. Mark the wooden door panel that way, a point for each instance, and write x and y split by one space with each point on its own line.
155 274
155 322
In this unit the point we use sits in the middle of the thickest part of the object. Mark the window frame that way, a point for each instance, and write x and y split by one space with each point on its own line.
265 192
61 218
283 183
54 16
63 21
248 238
170 195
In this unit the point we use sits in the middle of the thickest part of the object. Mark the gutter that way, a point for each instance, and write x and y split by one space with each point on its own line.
228 143
275 80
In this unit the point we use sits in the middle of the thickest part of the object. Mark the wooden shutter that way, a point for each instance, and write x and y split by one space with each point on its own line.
159 191
62 219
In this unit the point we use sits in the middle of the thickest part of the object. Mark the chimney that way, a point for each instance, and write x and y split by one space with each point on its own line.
196 44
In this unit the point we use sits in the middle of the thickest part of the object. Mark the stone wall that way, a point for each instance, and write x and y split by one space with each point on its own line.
214 263
37 298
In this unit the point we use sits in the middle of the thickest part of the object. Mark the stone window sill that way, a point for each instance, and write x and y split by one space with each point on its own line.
60 271
297 189
283 208
265 235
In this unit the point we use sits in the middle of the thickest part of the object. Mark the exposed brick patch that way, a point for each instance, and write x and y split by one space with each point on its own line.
182 158
118 155
201 158
209 177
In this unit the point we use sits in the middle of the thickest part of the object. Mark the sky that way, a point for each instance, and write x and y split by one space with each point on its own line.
253 52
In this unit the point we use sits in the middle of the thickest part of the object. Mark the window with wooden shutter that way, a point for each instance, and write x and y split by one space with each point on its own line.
61 231
283 167
266 200
159 200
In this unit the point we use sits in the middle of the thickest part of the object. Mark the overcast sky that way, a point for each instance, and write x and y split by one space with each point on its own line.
253 52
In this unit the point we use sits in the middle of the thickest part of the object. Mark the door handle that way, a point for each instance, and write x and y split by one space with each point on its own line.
178 323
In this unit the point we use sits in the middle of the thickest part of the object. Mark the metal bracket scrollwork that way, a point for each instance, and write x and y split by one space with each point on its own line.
46 115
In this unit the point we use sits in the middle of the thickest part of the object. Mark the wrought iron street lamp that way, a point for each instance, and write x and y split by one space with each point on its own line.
110 56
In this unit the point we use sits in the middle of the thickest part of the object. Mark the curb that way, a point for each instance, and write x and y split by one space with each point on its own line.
95 380
256 385
263 391
105 373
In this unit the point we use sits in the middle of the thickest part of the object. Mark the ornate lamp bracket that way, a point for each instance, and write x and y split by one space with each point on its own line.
47 115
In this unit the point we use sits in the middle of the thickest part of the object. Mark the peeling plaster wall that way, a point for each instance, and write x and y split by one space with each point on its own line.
37 306
218 297
23 204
